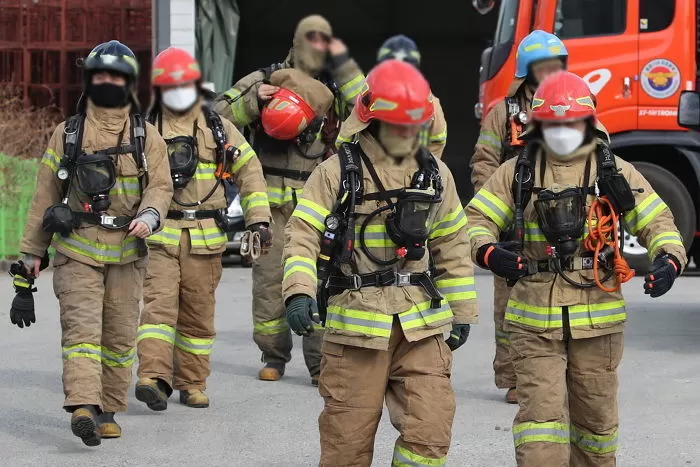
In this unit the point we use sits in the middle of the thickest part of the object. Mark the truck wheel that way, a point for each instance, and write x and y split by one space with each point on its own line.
675 195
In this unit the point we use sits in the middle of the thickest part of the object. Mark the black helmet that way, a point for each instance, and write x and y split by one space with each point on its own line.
401 48
113 56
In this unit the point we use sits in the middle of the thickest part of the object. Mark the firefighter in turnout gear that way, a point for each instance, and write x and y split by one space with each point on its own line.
539 54
368 225
176 334
287 164
103 186
565 315
434 135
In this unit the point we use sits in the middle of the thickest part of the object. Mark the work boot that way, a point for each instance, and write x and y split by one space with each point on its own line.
314 380
83 424
271 372
108 427
512 396
194 398
154 392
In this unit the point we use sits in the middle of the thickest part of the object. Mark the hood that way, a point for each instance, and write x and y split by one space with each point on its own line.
312 91
108 120
306 58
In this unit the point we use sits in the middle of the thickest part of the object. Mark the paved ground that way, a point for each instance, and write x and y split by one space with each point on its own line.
251 423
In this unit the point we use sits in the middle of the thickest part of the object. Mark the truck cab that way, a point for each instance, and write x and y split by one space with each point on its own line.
637 56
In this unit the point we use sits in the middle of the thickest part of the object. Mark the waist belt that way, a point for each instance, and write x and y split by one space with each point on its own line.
576 263
192 214
385 279
287 173
102 219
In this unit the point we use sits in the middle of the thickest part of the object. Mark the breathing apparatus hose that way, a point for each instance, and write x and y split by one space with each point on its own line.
365 248
605 234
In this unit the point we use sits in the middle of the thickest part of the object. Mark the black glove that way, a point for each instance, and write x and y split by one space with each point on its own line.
302 313
500 258
263 228
664 271
458 336
22 309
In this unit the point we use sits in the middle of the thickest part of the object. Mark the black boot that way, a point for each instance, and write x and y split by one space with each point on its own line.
83 424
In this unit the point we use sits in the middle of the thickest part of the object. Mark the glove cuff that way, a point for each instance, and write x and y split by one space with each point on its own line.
673 260
481 254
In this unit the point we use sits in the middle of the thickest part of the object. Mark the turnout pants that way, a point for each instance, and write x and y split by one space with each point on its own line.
176 334
567 392
270 330
99 316
502 365
413 378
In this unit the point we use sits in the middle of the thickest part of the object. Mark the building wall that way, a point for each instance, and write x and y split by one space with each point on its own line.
182 20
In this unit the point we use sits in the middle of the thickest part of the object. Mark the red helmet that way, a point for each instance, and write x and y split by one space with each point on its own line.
286 115
563 97
173 67
395 92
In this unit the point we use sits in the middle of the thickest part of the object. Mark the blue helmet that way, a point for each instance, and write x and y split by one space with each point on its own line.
401 48
536 46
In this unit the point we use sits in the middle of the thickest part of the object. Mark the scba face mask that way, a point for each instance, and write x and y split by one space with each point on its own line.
180 99
562 140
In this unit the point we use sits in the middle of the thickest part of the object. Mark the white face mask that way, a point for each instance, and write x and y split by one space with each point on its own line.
180 99
563 140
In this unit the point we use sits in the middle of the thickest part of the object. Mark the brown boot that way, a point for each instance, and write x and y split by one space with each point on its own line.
194 398
271 372
512 396
154 392
83 424
109 428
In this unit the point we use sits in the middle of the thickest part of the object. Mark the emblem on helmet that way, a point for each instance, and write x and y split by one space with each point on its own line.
416 114
177 74
559 110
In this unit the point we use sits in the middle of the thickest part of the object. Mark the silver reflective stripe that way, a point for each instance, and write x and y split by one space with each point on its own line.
117 253
359 321
169 334
425 313
552 316
560 434
502 337
585 441
180 340
196 235
66 353
496 210
205 170
577 314
301 264
309 211
447 224
457 289
107 356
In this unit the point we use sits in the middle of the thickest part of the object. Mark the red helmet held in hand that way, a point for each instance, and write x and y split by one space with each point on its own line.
286 115
395 92
174 67
563 97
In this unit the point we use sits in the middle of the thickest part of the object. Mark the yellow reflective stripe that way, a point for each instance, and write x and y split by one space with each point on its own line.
423 137
439 137
300 264
375 237
268 328
405 458
118 360
533 432
533 233
205 171
20 281
312 213
421 315
352 88
363 322
664 238
597 313
341 139
193 345
495 209
247 154
212 236
644 212
477 231
449 224
255 199
538 316
100 252
126 186
461 288
82 350
238 110
167 236
502 338
51 160
156 331
489 138
277 196
598 444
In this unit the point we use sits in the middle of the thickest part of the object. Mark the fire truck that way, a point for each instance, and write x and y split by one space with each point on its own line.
637 56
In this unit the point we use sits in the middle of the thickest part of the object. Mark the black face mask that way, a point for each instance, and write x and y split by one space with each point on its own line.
108 95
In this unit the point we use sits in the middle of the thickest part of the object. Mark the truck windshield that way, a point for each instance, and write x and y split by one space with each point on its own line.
507 16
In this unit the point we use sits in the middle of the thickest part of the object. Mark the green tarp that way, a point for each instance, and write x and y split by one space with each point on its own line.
18 180
216 33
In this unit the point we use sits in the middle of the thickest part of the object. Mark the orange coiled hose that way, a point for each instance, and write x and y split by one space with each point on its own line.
604 233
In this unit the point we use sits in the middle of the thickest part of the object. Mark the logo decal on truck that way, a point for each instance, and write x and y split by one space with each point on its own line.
597 79
660 78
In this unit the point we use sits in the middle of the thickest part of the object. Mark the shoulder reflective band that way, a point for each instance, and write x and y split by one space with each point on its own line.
489 138
493 208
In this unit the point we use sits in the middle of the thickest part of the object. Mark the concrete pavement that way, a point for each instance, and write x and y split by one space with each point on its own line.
253 423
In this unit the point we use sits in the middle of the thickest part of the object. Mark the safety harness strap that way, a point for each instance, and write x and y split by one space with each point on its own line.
571 264
100 219
191 214
287 173
386 279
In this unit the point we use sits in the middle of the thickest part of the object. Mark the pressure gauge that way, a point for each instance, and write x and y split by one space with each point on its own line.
522 117
332 222
62 173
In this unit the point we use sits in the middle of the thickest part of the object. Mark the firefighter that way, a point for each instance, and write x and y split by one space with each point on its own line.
567 195
103 187
400 47
176 334
288 163
385 307
539 54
